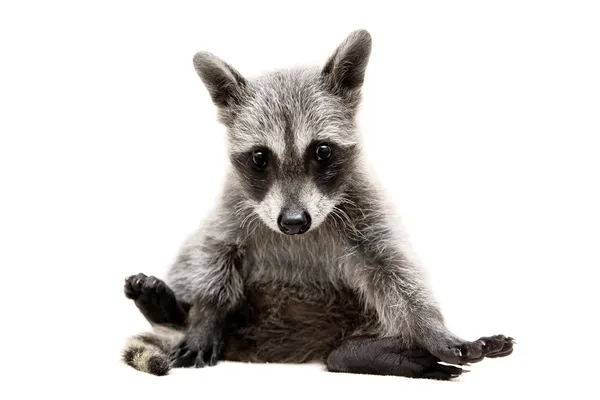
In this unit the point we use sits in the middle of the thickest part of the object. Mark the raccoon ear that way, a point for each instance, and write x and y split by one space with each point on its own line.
344 72
225 85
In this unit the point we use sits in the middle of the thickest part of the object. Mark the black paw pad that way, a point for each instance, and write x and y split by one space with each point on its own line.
140 284
155 300
133 286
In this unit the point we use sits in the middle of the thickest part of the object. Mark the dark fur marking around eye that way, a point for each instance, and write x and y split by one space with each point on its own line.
256 181
329 173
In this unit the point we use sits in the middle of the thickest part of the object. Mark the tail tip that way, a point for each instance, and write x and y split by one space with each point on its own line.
158 365
146 360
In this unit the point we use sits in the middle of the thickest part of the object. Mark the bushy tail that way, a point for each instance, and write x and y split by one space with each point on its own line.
149 352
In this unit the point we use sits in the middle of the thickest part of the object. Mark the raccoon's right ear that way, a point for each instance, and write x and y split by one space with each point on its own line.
225 85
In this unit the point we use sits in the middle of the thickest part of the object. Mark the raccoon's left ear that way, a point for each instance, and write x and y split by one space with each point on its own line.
344 72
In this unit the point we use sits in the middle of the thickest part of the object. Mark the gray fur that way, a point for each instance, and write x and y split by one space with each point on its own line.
350 274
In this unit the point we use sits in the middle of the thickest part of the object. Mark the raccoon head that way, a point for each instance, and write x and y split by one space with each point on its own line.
291 133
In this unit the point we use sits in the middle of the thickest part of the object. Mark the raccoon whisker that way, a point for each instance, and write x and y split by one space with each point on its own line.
248 217
242 207
343 215
346 200
334 217
253 221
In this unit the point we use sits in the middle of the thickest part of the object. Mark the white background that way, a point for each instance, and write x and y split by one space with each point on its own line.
481 119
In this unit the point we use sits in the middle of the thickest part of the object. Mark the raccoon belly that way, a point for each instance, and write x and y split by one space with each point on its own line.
289 324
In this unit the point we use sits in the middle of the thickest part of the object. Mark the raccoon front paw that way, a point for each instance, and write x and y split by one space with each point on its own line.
497 346
456 351
200 347
155 300
142 286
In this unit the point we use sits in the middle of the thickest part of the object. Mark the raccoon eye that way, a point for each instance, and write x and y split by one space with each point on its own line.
259 158
323 152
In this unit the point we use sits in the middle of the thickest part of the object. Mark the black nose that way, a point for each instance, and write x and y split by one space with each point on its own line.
292 222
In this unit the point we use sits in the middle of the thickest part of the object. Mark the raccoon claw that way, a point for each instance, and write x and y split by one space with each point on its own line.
139 285
429 366
207 357
443 372
133 286
497 346
196 349
181 358
465 352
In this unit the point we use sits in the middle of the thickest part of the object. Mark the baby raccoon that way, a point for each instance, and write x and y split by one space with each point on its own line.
301 260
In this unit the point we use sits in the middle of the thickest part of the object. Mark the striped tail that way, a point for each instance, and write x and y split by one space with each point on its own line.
149 352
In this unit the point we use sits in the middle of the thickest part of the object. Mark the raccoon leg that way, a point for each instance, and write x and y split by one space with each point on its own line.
387 356
201 346
395 287
149 352
407 309
156 301
206 274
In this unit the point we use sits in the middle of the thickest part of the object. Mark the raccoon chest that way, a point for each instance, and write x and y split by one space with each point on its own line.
289 268
294 262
